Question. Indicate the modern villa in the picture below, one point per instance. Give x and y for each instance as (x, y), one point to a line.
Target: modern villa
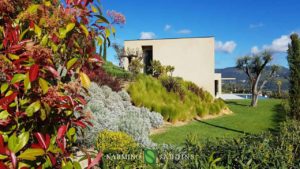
(193, 59)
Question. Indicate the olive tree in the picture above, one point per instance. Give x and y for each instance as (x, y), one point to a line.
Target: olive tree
(255, 67)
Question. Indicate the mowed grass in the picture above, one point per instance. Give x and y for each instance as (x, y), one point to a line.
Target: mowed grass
(245, 119)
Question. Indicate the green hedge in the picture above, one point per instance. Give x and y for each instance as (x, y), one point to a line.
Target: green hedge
(178, 104)
(266, 150)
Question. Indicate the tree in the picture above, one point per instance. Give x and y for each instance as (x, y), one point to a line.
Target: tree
(254, 67)
(294, 64)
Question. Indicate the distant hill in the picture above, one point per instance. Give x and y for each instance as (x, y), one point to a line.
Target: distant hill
(232, 72)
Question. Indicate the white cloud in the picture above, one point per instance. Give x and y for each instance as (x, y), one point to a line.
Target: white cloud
(255, 50)
(184, 31)
(257, 25)
(147, 35)
(278, 45)
(167, 27)
(225, 47)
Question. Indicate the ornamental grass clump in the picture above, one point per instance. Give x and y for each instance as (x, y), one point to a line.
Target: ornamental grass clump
(174, 98)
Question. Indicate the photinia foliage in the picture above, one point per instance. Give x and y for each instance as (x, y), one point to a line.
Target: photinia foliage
(43, 46)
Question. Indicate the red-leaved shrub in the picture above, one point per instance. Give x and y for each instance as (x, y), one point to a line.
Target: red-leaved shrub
(43, 46)
(98, 75)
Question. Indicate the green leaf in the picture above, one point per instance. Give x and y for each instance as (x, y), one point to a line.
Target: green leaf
(32, 108)
(102, 19)
(14, 104)
(94, 9)
(44, 40)
(85, 80)
(113, 30)
(62, 33)
(8, 93)
(2, 157)
(76, 165)
(54, 47)
(27, 84)
(43, 115)
(107, 32)
(100, 41)
(13, 56)
(44, 85)
(67, 165)
(4, 87)
(71, 62)
(23, 34)
(85, 30)
(12, 142)
(47, 3)
(70, 133)
(32, 9)
(22, 141)
(17, 78)
(31, 154)
(3, 115)
(37, 30)
(15, 144)
(70, 27)
(24, 101)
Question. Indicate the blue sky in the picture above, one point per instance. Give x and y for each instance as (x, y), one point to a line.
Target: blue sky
(240, 27)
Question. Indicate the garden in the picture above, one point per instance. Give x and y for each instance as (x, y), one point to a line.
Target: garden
(63, 105)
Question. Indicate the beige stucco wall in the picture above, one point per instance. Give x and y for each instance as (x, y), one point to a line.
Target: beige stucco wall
(193, 58)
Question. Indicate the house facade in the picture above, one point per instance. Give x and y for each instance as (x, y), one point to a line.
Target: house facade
(193, 58)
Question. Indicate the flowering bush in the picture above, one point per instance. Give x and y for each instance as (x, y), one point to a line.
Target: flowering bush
(43, 45)
(114, 111)
(117, 18)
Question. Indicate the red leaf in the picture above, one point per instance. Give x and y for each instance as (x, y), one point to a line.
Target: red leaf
(33, 72)
(82, 100)
(62, 144)
(31, 25)
(68, 2)
(52, 158)
(4, 102)
(15, 48)
(79, 123)
(47, 141)
(61, 131)
(36, 146)
(52, 70)
(41, 140)
(89, 123)
(4, 122)
(2, 166)
(2, 149)
(95, 161)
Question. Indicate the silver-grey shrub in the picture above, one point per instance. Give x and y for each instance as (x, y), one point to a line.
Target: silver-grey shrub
(114, 111)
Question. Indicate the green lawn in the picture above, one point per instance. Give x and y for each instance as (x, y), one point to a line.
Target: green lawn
(244, 119)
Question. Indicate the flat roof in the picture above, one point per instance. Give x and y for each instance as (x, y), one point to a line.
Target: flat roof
(199, 37)
(229, 78)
